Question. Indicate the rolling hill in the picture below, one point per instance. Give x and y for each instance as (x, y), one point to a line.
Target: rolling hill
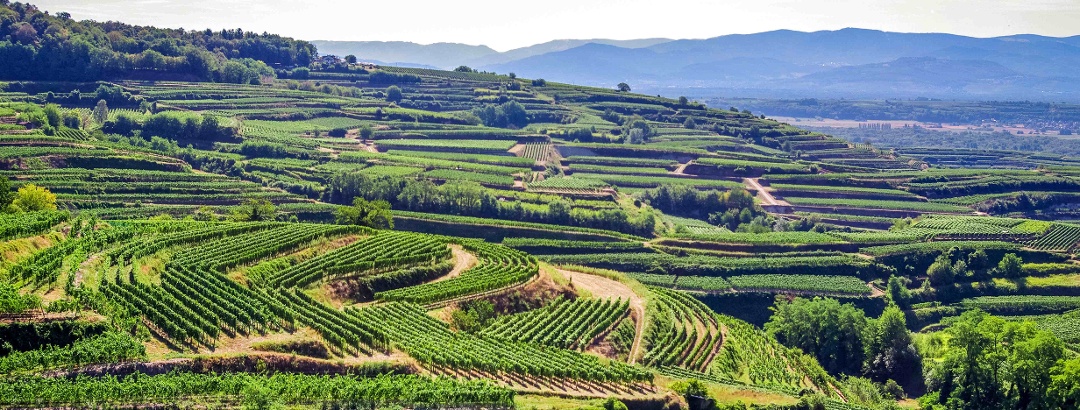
(778, 64)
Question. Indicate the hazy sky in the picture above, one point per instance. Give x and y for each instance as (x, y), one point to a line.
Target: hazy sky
(508, 24)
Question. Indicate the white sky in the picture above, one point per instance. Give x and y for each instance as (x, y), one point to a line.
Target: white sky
(508, 24)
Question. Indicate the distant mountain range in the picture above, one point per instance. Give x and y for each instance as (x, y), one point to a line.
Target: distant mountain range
(848, 63)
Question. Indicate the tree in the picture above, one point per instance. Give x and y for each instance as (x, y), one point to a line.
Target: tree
(393, 94)
(254, 210)
(890, 353)
(684, 101)
(1064, 391)
(366, 132)
(978, 260)
(374, 214)
(614, 404)
(351, 59)
(32, 198)
(689, 123)
(942, 271)
(831, 332)
(204, 213)
(473, 315)
(52, 114)
(72, 120)
(898, 292)
(101, 112)
(623, 87)
(1010, 266)
(464, 69)
(510, 113)
(992, 363)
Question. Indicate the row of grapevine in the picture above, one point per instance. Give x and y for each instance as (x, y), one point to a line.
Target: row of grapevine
(432, 343)
(1061, 237)
(233, 251)
(295, 389)
(569, 325)
(44, 266)
(537, 151)
(498, 267)
(1023, 304)
(157, 243)
(748, 353)
(381, 250)
(698, 265)
(555, 246)
(681, 332)
(108, 347)
(29, 223)
(333, 325)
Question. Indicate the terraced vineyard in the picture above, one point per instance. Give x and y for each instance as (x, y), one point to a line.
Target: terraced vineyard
(353, 235)
(580, 321)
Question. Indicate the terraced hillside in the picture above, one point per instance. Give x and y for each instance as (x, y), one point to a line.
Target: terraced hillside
(349, 235)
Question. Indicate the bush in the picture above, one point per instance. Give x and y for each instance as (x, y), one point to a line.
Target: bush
(614, 404)
(1011, 266)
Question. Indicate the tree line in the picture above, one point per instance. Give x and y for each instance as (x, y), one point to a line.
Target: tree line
(35, 45)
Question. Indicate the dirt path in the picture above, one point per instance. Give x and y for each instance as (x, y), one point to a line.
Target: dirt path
(518, 150)
(463, 261)
(681, 170)
(766, 196)
(602, 287)
(874, 291)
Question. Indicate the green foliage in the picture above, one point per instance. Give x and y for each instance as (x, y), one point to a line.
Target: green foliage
(294, 389)
(614, 404)
(59, 48)
(6, 194)
(579, 321)
(510, 114)
(393, 94)
(32, 198)
(890, 351)
(373, 214)
(993, 363)
(898, 292)
(254, 210)
(944, 271)
(13, 302)
(109, 347)
(1010, 266)
(833, 333)
(473, 315)
(366, 132)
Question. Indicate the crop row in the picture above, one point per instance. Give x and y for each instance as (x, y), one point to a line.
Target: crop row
(498, 267)
(432, 343)
(29, 223)
(564, 324)
(379, 251)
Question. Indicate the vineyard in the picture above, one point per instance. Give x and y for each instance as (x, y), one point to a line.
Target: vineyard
(580, 321)
(361, 236)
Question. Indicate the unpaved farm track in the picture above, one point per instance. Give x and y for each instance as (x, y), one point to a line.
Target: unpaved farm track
(766, 196)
